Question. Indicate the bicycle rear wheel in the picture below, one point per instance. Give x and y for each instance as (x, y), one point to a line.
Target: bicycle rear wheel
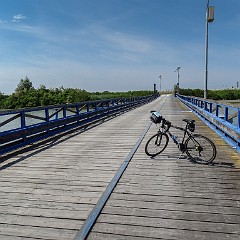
(156, 144)
(200, 149)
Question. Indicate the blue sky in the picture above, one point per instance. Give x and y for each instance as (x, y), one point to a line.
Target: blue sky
(117, 45)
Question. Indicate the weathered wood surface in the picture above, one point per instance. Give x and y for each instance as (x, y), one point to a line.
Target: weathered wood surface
(163, 198)
(48, 192)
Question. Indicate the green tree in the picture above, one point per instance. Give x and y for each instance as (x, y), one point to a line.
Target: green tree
(24, 86)
(3, 97)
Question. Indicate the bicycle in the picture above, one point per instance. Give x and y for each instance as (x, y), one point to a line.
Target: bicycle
(198, 148)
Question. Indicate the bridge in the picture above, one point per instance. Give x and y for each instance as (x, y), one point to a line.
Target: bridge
(97, 183)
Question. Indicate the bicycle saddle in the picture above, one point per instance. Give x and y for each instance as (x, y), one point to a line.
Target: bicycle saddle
(189, 120)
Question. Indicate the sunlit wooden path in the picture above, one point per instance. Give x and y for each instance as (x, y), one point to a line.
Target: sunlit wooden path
(48, 192)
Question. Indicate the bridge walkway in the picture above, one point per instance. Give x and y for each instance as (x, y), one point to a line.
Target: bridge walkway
(163, 198)
(49, 191)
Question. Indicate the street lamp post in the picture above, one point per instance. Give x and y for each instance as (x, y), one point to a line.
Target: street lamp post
(177, 70)
(160, 86)
(209, 18)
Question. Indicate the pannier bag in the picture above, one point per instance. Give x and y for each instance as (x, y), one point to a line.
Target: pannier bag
(191, 126)
(156, 117)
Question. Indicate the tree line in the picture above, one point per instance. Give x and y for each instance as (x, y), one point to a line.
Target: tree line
(225, 94)
(26, 95)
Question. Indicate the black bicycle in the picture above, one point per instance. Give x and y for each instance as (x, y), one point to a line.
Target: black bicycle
(198, 148)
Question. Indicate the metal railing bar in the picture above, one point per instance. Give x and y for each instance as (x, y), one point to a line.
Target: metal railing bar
(219, 122)
(35, 117)
(27, 134)
(9, 120)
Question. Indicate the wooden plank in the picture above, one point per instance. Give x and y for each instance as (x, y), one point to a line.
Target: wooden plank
(166, 197)
(18, 231)
(176, 206)
(40, 221)
(172, 214)
(155, 233)
(105, 236)
(168, 223)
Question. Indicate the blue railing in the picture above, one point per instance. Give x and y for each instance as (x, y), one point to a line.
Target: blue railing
(21, 127)
(225, 120)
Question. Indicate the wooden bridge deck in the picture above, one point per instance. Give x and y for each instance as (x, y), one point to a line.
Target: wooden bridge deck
(48, 192)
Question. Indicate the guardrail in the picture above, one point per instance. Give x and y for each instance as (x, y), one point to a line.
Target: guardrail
(223, 119)
(21, 127)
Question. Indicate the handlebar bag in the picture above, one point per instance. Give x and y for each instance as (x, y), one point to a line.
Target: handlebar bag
(156, 117)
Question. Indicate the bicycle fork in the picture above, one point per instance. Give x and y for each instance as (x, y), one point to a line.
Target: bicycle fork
(158, 140)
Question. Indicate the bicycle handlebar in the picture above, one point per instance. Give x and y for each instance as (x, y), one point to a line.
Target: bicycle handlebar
(157, 118)
(166, 124)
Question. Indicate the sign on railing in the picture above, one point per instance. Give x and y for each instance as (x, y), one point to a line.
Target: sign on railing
(21, 127)
(225, 120)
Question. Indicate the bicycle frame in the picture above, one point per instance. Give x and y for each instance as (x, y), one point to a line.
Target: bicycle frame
(186, 134)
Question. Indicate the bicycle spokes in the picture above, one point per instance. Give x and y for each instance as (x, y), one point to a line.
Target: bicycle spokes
(200, 149)
(156, 144)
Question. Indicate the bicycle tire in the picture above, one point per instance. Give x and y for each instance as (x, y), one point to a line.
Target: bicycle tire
(156, 144)
(200, 149)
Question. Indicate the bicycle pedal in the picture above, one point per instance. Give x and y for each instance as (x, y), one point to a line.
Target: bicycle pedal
(180, 156)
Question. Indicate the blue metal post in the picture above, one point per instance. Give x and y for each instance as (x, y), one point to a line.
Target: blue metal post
(226, 114)
(77, 110)
(23, 124)
(210, 107)
(217, 110)
(239, 118)
(46, 114)
(23, 119)
(205, 106)
(64, 112)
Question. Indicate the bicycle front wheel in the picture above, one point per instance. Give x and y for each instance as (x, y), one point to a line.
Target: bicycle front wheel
(200, 149)
(156, 144)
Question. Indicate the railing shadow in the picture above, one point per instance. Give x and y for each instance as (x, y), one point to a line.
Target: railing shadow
(50, 142)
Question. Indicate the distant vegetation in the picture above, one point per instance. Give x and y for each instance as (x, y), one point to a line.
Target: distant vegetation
(226, 94)
(26, 95)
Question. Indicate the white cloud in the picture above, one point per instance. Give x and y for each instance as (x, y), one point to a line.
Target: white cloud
(18, 17)
(15, 18)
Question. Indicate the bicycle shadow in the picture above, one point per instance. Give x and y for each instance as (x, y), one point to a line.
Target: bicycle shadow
(223, 164)
(183, 157)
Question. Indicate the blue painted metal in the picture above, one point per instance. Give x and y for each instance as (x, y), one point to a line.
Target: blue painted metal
(223, 119)
(239, 118)
(19, 128)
